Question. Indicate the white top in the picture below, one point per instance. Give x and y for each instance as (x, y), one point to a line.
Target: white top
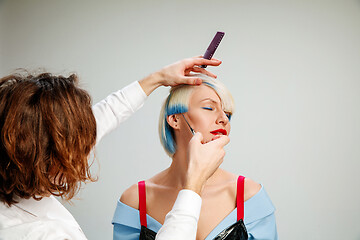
(48, 219)
(44, 219)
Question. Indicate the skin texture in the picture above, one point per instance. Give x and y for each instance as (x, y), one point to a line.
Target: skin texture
(219, 192)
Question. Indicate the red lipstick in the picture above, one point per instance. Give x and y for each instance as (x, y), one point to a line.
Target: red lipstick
(219, 131)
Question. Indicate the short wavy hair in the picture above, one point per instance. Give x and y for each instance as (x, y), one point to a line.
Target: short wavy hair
(178, 102)
(47, 133)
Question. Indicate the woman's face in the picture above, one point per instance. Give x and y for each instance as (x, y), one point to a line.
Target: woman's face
(205, 114)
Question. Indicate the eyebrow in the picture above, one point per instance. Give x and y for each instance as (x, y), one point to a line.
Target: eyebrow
(209, 99)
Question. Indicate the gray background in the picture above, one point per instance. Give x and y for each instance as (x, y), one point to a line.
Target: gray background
(292, 66)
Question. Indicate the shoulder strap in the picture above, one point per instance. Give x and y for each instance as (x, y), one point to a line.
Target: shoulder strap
(142, 203)
(240, 198)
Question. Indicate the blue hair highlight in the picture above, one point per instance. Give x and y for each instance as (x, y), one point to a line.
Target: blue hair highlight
(210, 85)
(175, 109)
(169, 141)
(170, 144)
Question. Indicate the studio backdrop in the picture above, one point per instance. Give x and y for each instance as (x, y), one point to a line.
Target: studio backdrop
(293, 68)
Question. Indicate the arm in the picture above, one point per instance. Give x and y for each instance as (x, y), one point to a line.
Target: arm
(120, 105)
(204, 159)
(181, 221)
(116, 108)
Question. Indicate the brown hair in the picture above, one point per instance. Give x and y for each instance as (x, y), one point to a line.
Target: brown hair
(47, 132)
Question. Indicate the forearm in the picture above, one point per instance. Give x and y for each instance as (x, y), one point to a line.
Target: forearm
(116, 108)
(181, 222)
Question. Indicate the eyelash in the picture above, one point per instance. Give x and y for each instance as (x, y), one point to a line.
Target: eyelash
(209, 108)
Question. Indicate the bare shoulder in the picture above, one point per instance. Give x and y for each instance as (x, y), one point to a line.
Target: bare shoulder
(131, 196)
(251, 188)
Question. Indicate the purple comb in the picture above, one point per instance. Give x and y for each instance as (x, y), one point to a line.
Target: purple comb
(213, 46)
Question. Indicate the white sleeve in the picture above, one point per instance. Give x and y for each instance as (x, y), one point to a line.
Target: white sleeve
(116, 108)
(181, 221)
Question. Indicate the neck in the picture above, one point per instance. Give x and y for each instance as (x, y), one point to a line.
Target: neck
(179, 164)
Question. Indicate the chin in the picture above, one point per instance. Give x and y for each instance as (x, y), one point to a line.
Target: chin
(208, 139)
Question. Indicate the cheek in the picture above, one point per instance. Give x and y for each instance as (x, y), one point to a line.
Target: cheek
(201, 123)
(205, 130)
(228, 128)
(196, 118)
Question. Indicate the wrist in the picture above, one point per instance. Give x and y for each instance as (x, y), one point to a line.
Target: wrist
(194, 185)
(151, 82)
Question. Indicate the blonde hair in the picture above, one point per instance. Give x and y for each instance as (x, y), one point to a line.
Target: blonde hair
(178, 102)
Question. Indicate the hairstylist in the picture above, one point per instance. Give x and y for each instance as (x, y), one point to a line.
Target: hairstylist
(48, 129)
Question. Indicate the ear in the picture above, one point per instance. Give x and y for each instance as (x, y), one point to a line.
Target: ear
(173, 121)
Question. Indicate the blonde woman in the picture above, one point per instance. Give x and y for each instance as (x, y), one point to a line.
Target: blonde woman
(233, 207)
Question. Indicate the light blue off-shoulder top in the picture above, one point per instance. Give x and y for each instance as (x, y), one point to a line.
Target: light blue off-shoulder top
(259, 219)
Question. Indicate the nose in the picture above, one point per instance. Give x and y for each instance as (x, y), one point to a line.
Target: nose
(222, 118)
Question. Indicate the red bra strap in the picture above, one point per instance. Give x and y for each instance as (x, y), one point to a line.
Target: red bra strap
(240, 198)
(142, 203)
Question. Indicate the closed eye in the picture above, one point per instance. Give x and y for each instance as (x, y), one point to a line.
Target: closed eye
(228, 115)
(207, 108)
